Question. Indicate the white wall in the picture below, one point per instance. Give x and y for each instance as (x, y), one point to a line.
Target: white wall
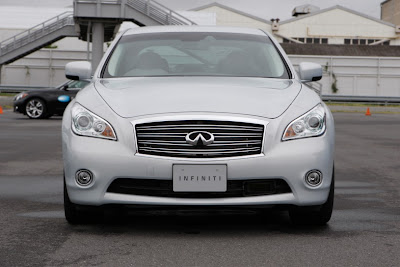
(42, 68)
(363, 76)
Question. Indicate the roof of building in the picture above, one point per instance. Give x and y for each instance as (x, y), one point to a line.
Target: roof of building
(341, 8)
(230, 9)
(341, 50)
(296, 18)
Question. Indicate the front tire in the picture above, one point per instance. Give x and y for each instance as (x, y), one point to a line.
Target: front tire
(77, 214)
(314, 215)
(36, 108)
(72, 214)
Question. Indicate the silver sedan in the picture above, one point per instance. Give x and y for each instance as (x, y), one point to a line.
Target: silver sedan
(180, 116)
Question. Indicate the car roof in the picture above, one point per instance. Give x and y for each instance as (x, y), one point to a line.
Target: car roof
(163, 29)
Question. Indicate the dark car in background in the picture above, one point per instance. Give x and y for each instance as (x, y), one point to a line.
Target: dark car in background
(42, 104)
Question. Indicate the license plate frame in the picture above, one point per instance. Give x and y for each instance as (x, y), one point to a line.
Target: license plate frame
(199, 177)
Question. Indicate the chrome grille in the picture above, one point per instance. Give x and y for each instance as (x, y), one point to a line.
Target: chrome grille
(231, 139)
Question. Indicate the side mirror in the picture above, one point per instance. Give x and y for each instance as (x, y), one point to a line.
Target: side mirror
(310, 72)
(79, 70)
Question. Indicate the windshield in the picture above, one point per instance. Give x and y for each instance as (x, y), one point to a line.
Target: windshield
(195, 54)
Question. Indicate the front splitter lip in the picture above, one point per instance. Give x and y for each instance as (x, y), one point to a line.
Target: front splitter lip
(114, 198)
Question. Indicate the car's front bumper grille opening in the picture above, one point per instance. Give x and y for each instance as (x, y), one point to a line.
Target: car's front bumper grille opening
(230, 139)
(163, 188)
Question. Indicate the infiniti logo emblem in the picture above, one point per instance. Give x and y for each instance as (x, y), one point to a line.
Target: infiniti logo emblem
(204, 137)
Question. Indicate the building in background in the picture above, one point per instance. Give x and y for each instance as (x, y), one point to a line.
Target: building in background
(335, 25)
(338, 25)
(390, 11)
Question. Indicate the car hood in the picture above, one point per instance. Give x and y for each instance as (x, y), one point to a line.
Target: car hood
(131, 97)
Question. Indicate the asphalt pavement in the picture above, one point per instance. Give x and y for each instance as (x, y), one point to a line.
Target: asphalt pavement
(364, 229)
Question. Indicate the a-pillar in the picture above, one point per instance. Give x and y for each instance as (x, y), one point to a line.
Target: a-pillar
(97, 43)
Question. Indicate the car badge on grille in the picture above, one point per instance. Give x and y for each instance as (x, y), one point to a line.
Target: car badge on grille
(193, 138)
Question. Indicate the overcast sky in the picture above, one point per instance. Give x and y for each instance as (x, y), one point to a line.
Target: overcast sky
(266, 9)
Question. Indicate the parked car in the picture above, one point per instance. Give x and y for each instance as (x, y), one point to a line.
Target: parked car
(42, 104)
(198, 117)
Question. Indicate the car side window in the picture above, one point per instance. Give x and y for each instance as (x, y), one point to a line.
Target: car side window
(76, 85)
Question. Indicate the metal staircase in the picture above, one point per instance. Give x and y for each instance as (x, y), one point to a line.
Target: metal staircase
(76, 24)
(37, 37)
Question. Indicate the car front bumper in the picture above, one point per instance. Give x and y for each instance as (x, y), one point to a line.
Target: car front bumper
(19, 107)
(109, 160)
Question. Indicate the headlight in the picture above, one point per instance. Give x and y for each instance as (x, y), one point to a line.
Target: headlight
(308, 125)
(86, 123)
(20, 96)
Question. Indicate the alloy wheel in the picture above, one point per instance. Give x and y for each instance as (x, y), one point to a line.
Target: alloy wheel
(34, 108)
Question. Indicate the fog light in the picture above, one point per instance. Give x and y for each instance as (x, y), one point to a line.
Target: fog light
(314, 178)
(84, 177)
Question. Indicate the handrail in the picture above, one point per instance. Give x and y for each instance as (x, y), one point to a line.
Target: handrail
(145, 6)
(30, 30)
(170, 14)
(180, 17)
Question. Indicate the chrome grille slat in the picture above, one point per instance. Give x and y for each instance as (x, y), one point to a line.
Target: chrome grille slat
(216, 133)
(190, 129)
(215, 142)
(165, 143)
(180, 143)
(193, 127)
(197, 152)
(238, 142)
(208, 150)
(231, 139)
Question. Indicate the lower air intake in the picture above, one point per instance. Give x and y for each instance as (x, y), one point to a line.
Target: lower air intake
(163, 188)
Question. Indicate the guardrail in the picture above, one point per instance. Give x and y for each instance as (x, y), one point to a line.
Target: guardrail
(19, 89)
(361, 99)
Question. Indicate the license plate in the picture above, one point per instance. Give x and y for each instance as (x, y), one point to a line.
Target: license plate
(199, 178)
